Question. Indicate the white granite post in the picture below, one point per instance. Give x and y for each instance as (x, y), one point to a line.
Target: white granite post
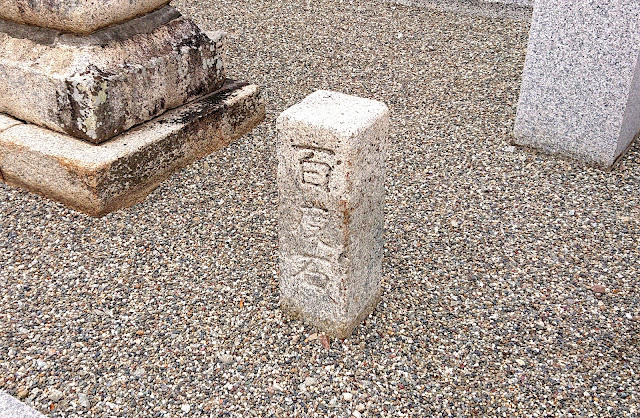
(580, 93)
(331, 153)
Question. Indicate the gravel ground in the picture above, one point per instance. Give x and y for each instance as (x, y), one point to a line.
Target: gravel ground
(494, 254)
(510, 9)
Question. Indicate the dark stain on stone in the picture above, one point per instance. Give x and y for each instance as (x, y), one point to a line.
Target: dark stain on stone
(116, 33)
(208, 104)
(38, 35)
(159, 106)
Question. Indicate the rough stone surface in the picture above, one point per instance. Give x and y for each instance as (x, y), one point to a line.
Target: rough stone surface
(10, 407)
(100, 179)
(580, 93)
(97, 86)
(517, 2)
(331, 150)
(6, 122)
(79, 16)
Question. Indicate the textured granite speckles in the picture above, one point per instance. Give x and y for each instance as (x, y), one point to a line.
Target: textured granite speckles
(97, 86)
(79, 16)
(100, 179)
(331, 151)
(10, 407)
(6, 122)
(580, 93)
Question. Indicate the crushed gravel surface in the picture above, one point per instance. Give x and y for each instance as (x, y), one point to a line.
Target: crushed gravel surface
(510, 277)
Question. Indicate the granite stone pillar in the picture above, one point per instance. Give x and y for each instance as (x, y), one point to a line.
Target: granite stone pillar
(580, 93)
(331, 154)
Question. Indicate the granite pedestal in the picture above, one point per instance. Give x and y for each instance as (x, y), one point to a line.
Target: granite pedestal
(580, 93)
(97, 86)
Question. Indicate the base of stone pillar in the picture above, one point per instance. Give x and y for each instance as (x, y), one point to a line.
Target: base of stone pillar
(334, 328)
(99, 179)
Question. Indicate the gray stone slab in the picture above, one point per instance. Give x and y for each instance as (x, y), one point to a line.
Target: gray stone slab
(98, 179)
(580, 93)
(10, 407)
(331, 152)
(97, 86)
(79, 16)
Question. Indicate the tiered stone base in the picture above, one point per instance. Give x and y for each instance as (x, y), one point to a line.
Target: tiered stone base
(97, 86)
(99, 179)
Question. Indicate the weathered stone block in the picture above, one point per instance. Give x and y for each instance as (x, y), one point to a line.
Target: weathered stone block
(78, 16)
(331, 155)
(99, 179)
(95, 87)
(580, 93)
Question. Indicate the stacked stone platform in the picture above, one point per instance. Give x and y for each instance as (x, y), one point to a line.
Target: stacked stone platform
(103, 101)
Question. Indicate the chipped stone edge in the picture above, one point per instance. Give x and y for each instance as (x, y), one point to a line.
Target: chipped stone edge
(11, 407)
(6, 122)
(99, 179)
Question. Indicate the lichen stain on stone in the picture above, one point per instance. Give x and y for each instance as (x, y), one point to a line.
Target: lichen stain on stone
(88, 96)
(101, 97)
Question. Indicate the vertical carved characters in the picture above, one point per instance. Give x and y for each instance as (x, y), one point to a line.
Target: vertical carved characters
(331, 186)
(317, 259)
(316, 165)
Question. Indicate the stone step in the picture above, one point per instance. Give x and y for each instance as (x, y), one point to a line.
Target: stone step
(78, 16)
(99, 179)
(94, 87)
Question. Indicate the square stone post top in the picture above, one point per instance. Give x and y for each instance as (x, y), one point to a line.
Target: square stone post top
(77, 16)
(331, 155)
(580, 93)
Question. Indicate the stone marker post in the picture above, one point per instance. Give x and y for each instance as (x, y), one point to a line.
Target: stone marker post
(580, 93)
(331, 157)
